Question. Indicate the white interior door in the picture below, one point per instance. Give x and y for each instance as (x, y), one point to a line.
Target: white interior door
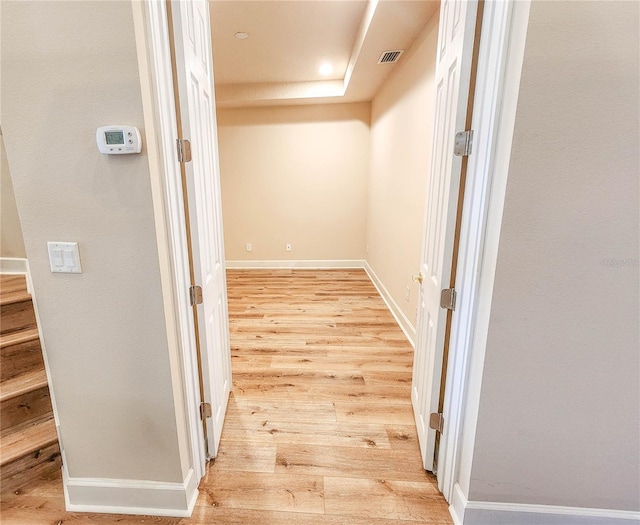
(192, 40)
(453, 66)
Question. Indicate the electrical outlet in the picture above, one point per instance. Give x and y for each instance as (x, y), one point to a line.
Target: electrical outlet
(288, 247)
(249, 247)
(407, 295)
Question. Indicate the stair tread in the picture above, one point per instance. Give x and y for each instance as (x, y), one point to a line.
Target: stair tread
(19, 442)
(12, 281)
(13, 289)
(14, 297)
(15, 338)
(27, 382)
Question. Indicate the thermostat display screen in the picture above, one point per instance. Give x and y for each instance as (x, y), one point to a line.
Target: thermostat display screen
(114, 137)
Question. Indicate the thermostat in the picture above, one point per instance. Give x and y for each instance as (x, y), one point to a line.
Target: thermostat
(118, 140)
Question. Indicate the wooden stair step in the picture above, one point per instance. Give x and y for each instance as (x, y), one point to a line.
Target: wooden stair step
(16, 317)
(24, 398)
(31, 468)
(13, 289)
(7, 280)
(22, 384)
(17, 338)
(25, 408)
(19, 442)
(14, 297)
(19, 353)
(28, 454)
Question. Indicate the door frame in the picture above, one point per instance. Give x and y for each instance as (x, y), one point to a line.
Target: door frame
(501, 53)
(153, 40)
(498, 76)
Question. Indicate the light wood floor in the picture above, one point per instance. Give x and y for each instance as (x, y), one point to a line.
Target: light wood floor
(319, 428)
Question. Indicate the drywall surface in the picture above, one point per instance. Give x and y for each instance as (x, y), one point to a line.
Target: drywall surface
(560, 402)
(11, 242)
(295, 174)
(401, 135)
(69, 67)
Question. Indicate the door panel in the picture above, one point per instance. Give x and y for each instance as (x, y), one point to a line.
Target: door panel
(453, 67)
(192, 40)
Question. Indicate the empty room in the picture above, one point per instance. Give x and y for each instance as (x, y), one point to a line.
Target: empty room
(324, 126)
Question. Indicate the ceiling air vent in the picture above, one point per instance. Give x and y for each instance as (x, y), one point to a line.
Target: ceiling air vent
(389, 57)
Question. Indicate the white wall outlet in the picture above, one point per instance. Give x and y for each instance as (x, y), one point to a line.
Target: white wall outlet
(64, 257)
(249, 247)
(407, 294)
(288, 247)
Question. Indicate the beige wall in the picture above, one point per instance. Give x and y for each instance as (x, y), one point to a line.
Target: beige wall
(11, 242)
(69, 67)
(401, 134)
(294, 175)
(332, 180)
(560, 399)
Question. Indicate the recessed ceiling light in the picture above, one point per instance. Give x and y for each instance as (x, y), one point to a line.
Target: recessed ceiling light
(326, 69)
(241, 35)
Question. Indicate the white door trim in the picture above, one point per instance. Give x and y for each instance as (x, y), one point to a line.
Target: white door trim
(152, 25)
(500, 59)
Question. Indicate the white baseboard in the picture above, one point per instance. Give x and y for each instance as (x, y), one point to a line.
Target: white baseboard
(138, 497)
(13, 265)
(308, 264)
(466, 512)
(402, 320)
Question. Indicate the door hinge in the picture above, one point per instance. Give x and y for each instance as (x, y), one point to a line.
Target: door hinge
(436, 421)
(448, 298)
(205, 410)
(184, 150)
(463, 143)
(195, 294)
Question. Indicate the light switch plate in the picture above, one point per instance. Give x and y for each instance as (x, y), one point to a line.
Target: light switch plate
(64, 257)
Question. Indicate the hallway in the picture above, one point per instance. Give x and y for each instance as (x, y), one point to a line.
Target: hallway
(319, 428)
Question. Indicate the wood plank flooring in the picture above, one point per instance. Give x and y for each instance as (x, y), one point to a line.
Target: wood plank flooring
(319, 428)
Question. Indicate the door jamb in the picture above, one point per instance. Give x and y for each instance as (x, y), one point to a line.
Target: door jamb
(498, 78)
(156, 77)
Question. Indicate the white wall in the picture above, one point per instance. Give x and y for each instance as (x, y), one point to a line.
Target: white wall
(400, 152)
(560, 401)
(295, 174)
(11, 242)
(69, 67)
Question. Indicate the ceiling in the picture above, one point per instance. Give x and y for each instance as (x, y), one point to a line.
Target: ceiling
(290, 39)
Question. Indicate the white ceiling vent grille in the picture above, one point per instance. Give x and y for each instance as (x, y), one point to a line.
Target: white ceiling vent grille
(389, 57)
